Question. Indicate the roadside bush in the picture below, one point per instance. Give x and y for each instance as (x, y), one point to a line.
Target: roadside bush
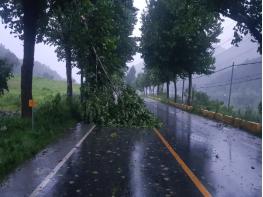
(17, 140)
(202, 100)
(56, 110)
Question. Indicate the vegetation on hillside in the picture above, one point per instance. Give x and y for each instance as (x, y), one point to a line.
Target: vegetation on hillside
(40, 70)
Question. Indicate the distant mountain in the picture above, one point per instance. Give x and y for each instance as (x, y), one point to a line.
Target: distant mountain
(245, 51)
(40, 70)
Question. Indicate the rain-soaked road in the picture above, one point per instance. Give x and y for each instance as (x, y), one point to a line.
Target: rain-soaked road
(135, 162)
(227, 160)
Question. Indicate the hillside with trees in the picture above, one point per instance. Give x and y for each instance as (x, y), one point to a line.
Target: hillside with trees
(40, 70)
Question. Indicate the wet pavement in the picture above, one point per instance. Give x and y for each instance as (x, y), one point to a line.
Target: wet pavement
(227, 160)
(121, 162)
(30, 174)
(134, 162)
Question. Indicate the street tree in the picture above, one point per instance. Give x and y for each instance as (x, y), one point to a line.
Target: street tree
(27, 19)
(177, 39)
(62, 29)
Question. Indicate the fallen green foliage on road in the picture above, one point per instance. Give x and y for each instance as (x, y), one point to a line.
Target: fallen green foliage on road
(17, 140)
(127, 111)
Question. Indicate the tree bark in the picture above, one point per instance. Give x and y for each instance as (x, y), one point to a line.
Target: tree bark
(175, 89)
(30, 26)
(158, 90)
(189, 99)
(68, 72)
(167, 89)
(183, 92)
(81, 85)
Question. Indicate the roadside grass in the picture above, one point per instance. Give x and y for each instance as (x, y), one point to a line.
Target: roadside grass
(42, 89)
(17, 140)
(202, 101)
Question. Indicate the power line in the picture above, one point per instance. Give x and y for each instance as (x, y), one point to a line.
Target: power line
(227, 68)
(235, 80)
(234, 83)
(248, 63)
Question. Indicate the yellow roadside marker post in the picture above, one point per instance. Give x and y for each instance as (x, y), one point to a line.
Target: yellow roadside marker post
(32, 104)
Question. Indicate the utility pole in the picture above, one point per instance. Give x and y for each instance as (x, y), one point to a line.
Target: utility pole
(183, 92)
(230, 88)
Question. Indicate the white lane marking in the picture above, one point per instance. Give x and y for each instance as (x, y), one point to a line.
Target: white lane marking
(58, 166)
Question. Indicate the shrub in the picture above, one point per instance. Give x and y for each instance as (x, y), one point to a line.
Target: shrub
(56, 110)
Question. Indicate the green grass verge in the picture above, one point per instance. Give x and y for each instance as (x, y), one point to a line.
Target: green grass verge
(19, 143)
(42, 89)
(216, 106)
(17, 140)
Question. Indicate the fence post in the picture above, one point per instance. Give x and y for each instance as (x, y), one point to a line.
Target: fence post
(230, 88)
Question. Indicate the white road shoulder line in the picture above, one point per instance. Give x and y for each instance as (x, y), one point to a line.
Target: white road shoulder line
(59, 165)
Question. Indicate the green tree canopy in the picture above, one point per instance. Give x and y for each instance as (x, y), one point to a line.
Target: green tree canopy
(5, 74)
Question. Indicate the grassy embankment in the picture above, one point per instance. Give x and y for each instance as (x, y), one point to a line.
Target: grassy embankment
(53, 115)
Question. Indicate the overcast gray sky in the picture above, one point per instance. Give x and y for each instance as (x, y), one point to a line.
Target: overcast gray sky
(46, 55)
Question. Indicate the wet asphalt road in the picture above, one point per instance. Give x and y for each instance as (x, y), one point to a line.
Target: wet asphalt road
(227, 160)
(134, 162)
(121, 162)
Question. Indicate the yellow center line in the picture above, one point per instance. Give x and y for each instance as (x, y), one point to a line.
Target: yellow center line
(186, 169)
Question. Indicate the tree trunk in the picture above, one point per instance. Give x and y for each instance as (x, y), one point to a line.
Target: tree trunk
(175, 89)
(30, 26)
(68, 72)
(81, 85)
(167, 89)
(183, 92)
(158, 90)
(189, 99)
